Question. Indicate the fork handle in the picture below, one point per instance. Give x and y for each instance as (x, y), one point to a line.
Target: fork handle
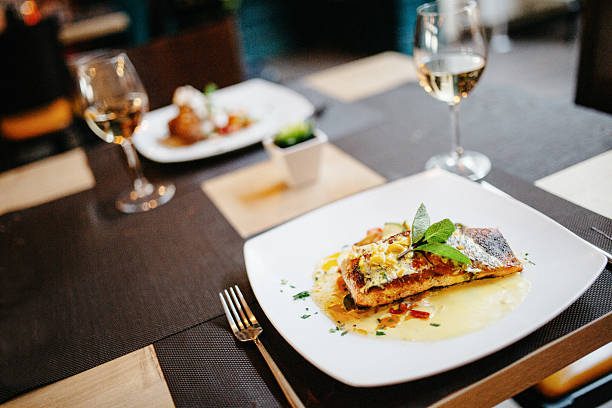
(292, 397)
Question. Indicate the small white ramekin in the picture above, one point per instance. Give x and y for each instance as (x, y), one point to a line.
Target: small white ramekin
(301, 163)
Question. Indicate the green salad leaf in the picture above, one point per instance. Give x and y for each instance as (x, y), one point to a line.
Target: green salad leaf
(210, 88)
(293, 134)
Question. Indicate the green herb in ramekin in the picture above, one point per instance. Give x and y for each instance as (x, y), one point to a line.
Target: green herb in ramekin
(293, 134)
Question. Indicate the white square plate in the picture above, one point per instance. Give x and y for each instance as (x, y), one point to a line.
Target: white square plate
(565, 267)
(271, 105)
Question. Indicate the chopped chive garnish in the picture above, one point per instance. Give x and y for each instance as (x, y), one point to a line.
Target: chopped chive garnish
(301, 295)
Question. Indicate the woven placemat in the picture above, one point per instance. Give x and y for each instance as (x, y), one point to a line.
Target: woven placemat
(528, 128)
(527, 136)
(82, 284)
(206, 366)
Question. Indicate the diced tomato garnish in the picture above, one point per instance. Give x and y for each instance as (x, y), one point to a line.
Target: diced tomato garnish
(341, 284)
(419, 314)
(391, 321)
(235, 122)
(401, 308)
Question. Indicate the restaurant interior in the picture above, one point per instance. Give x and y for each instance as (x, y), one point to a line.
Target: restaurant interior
(175, 175)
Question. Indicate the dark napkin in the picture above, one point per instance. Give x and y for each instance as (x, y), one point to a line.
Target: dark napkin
(206, 366)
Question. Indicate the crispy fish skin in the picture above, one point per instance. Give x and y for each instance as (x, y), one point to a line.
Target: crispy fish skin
(433, 271)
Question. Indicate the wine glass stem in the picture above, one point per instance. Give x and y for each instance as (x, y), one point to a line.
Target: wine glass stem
(138, 179)
(454, 114)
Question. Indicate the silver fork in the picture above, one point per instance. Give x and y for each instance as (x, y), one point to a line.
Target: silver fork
(246, 329)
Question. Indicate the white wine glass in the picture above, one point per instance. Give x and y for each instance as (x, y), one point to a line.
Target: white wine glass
(450, 55)
(115, 102)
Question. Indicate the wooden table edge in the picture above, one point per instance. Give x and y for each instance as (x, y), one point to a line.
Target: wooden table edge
(533, 367)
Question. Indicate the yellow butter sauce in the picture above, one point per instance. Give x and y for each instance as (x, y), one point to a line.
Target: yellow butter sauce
(453, 311)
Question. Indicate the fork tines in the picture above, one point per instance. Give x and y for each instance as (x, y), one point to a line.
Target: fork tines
(246, 328)
(237, 319)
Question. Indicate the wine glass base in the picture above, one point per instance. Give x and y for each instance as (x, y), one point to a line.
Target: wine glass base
(151, 197)
(472, 165)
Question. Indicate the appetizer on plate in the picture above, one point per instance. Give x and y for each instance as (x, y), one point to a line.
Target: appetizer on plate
(199, 119)
(399, 277)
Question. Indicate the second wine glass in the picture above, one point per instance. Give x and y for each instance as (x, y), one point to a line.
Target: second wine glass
(450, 56)
(116, 103)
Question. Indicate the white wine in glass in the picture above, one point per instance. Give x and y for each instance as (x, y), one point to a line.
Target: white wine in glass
(117, 102)
(114, 123)
(450, 56)
(449, 77)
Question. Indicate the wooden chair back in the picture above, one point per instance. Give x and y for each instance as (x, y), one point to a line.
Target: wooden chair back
(209, 53)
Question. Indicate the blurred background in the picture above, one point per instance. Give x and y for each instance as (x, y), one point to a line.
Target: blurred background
(534, 45)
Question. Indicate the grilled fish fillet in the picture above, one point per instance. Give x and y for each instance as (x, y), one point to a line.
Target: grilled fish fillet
(374, 275)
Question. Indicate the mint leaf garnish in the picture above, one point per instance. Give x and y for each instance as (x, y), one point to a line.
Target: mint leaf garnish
(432, 238)
(419, 224)
(440, 231)
(444, 250)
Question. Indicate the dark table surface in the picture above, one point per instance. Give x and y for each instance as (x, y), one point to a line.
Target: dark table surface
(82, 284)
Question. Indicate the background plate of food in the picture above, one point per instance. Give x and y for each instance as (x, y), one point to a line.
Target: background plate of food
(203, 124)
(334, 281)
